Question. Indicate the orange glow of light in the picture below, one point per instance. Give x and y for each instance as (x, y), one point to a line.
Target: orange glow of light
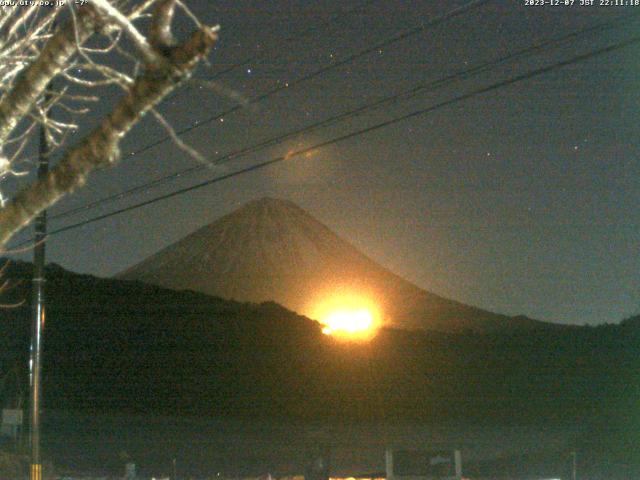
(348, 317)
(348, 321)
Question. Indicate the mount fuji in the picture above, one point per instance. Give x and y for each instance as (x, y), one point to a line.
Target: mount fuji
(272, 250)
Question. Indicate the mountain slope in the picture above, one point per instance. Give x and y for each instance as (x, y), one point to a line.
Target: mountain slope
(271, 249)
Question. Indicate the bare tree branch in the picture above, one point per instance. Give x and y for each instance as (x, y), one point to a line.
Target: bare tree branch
(100, 148)
(188, 149)
(112, 14)
(160, 31)
(34, 80)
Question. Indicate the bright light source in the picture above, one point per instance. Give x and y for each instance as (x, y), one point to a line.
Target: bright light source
(347, 316)
(348, 321)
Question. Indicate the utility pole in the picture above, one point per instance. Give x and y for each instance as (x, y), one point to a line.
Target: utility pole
(574, 465)
(38, 310)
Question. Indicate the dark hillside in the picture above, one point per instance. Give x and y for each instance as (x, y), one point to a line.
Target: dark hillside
(118, 345)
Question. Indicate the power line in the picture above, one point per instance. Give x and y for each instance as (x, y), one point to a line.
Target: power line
(404, 95)
(304, 151)
(288, 85)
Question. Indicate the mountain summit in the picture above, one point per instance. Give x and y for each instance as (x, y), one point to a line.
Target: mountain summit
(271, 249)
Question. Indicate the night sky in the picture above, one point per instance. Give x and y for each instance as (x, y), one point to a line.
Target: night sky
(522, 200)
